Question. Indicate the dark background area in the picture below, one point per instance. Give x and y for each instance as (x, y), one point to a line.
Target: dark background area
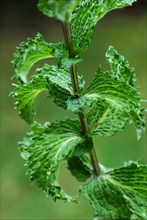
(26, 12)
(124, 29)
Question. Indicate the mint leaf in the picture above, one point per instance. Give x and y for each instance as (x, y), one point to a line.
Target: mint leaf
(120, 67)
(28, 53)
(49, 78)
(106, 121)
(25, 95)
(117, 96)
(86, 16)
(120, 193)
(59, 83)
(66, 62)
(44, 148)
(59, 9)
(112, 98)
(80, 167)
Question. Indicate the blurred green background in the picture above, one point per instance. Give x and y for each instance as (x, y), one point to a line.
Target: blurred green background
(126, 31)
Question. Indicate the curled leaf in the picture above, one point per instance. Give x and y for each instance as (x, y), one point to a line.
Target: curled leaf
(28, 53)
(25, 95)
(44, 148)
(59, 83)
(86, 16)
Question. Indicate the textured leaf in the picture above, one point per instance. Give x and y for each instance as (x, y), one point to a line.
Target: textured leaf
(80, 167)
(44, 147)
(120, 193)
(119, 97)
(120, 68)
(86, 16)
(113, 100)
(50, 78)
(66, 62)
(59, 9)
(59, 83)
(106, 121)
(28, 53)
(25, 95)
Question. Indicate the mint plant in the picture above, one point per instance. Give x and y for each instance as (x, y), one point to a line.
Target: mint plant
(104, 108)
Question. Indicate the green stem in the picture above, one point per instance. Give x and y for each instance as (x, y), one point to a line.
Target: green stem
(75, 84)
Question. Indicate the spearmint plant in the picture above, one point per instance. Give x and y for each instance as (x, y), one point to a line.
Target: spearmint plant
(104, 108)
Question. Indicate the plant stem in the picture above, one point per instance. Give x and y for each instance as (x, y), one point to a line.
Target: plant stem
(75, 84)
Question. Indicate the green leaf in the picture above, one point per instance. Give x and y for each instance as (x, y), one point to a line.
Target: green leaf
(112, 98)
(59, 84)
(49, 78)
(44, 148)
(106, 121)
(118, 96)
(80, 167)
(66, 62)
(120, 193)
(59, 9)
(86, 16)
(120, 67)
(25, 95)
(28, 53)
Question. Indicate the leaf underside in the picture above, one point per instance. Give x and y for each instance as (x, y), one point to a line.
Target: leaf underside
(120, 193)
(80, 167)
